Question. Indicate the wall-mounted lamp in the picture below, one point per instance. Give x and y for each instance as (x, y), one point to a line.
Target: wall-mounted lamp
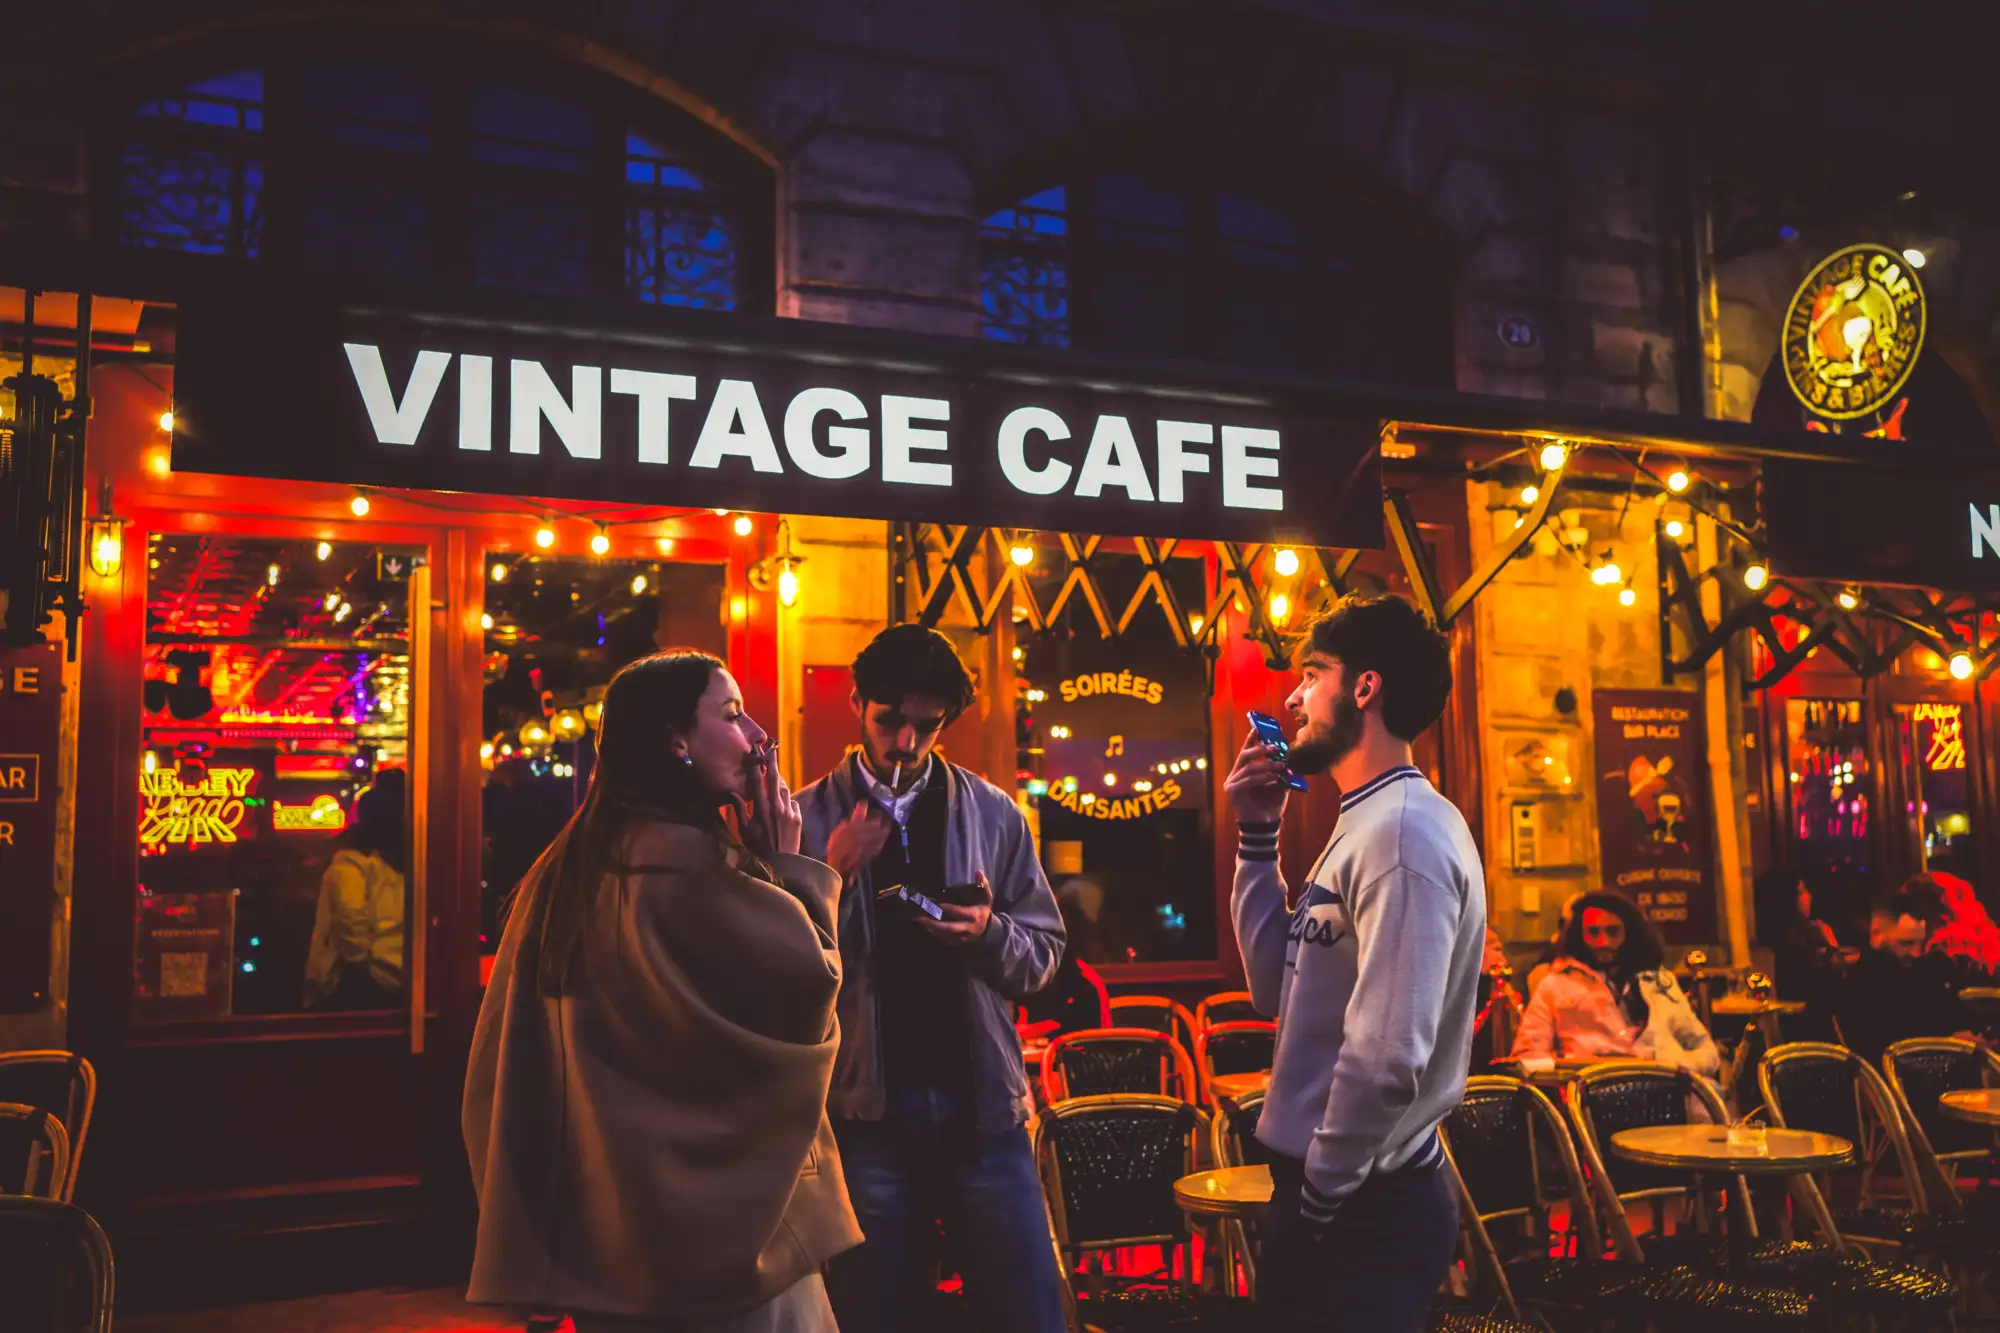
(779, 568)
(107, 537)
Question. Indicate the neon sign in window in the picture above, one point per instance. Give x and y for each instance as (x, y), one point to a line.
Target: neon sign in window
(179, 813)
(1946, 749)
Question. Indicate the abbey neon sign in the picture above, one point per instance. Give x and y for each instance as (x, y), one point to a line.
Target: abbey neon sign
(179, 813)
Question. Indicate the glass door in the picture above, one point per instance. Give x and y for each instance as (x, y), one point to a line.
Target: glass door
(1931, 744)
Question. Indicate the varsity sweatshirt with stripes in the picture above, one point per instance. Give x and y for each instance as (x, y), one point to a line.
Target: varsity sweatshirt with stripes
(1373, 979)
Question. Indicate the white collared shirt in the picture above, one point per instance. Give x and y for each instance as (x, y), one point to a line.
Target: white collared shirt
(898, 804)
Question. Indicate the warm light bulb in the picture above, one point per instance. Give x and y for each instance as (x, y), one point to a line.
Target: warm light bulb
(324, 550)
(545, 536)
(1530, 494)
(1756, 576)
(1281, 607)
(485, 750)
(1194, 624)
(1554, 456)
(666, 545)
(638, 584)
(1626, 597)
(1675, 528)
(272, 575)
(107, 550)
(159, 462)
(499, 572)
(1961, 666)
(1110, 779)
(1201, 763)
(743, 525)
(1020, 654)
(1677, 480)
(358, 506)
(486, 620)
(788, 587)
(1286, 562)
(1607, 574)
(149, 761)
(1021, 554)
(1914, 257)
(600, 542)
(1848, 601)
(722, 513)
(167, 422)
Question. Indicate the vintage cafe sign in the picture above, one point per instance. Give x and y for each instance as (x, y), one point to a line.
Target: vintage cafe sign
(1853, 332)
(373, 399)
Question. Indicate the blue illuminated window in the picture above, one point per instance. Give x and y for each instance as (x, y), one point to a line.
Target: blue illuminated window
(384, 171)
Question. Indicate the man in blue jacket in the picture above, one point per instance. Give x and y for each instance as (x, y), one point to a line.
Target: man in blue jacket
(930, 1096)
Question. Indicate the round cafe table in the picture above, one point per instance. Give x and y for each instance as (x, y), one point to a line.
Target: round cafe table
(1707, 1150)
(1764, 1013)
(1234, 1086)
(1228, 1191)
(1981, 1106)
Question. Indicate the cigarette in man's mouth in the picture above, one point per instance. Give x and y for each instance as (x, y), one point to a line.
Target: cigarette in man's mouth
(896, 778)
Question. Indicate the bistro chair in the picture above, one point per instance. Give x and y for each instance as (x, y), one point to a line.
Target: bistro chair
(1156, 1012)
(56, 1274)
(34, 1152)
(1233, 1142)
(1230, 1006)
(1921, 1070)
(60, 1082)
(1494, 1311)
(1676, 1279)
(1101, 1062)
(1830, 1090)
(1516, 1165)
(1233, 1048)
(1108, 1166)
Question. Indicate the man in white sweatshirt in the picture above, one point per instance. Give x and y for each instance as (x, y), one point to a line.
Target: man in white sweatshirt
(1372, 976)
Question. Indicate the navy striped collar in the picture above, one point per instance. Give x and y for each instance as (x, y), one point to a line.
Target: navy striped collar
(1388, 775)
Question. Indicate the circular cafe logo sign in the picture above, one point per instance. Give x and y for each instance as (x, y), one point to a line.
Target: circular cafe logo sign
(1853, 332)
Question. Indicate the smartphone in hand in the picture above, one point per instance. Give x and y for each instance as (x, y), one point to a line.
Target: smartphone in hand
(1271, 734)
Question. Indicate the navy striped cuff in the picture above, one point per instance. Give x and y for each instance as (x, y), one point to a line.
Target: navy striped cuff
(1257, 841)
(1316, 1207)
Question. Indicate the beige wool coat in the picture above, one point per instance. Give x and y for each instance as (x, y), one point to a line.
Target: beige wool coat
(655, 1142)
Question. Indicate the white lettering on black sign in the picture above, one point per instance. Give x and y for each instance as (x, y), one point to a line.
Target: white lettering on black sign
(909, 441)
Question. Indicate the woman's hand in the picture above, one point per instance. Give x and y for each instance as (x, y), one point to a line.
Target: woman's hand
(774, 825)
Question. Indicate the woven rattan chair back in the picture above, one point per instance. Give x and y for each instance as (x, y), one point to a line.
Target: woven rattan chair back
(1156, 1013)
(1103, 1062)
(1233, 1048)
(62, 1083)
(1918, 1072)
(1109, 1165)
(1828, 1089)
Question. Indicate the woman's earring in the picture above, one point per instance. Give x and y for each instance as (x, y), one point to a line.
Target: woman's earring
(687, 760)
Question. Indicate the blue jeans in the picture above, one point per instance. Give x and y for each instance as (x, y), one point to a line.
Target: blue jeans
(1376, 1270)
(924, 1160)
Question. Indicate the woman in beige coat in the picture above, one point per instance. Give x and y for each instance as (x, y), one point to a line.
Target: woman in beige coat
(644, 1107)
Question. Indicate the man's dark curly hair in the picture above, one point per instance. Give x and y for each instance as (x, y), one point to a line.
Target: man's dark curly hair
(908, 659)
(1389, 636)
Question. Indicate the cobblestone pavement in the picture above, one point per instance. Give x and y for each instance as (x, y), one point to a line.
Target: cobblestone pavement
(435, 1311)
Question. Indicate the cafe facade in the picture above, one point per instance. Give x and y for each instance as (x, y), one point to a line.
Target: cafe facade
(381, 430)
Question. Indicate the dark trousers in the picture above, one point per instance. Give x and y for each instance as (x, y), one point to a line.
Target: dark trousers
(1375, 1270)
(926, 1159)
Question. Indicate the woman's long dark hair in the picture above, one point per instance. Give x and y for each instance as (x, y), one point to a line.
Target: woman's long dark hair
(1641, 952)
(638, 777)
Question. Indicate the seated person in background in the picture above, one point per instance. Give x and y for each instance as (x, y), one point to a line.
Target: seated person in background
(1553, 950)
(1609, 995)
(1807, 960)
(1898, 990)
(356, 961)
(1967, 935)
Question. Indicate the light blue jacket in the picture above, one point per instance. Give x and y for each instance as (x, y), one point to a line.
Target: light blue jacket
(1015, 958)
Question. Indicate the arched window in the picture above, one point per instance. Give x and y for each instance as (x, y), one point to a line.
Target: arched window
(424, 172)
(1145, 261)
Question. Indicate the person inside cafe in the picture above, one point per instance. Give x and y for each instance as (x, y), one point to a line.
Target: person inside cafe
(1901, 988)
(1808, 962)
(930, 1094)
(1374, 981)
(645, 1103)
(355, 960)
(1610, 995)
(1077, 997)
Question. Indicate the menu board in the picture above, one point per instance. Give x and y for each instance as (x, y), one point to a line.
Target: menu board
(30, 734)
(1653, 809)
